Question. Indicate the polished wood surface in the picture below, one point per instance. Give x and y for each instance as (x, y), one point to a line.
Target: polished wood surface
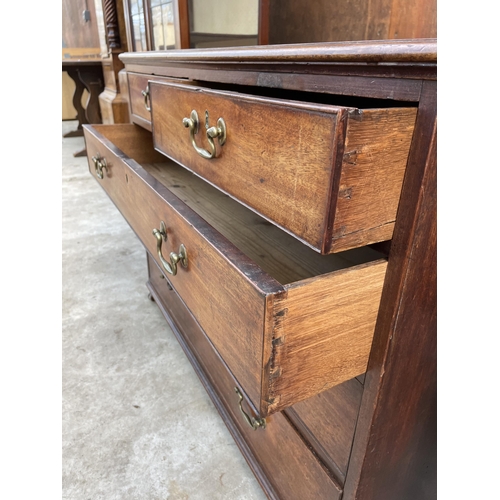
(286, 159)
(395, 51)
(277, 158)
(76, 33)
(136, 85)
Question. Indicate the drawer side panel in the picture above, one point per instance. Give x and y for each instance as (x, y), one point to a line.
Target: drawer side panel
(374, 163)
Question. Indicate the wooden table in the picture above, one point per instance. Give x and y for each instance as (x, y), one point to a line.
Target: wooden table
(87, 74)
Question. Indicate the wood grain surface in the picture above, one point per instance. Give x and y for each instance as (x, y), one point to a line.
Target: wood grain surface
(278, 157)
(293, 21)
(323, 331)
(392, 51)
(394, 451)
(327, 421)
(374, 162)
(401, 83)
(136, 84)
(273, 250)
(282, 343)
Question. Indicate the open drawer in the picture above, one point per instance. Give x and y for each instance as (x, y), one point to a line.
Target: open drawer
(330, 175)
(288, 322)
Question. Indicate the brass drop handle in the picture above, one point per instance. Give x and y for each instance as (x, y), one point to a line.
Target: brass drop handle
(253, 422)
(145, 93)
(99, 164)
(175, 258)
(219, 132)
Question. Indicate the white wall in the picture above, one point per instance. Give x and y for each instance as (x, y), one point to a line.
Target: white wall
(225, 16)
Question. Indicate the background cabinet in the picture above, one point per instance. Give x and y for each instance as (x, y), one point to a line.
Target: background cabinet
(80, 40)
(300, 21)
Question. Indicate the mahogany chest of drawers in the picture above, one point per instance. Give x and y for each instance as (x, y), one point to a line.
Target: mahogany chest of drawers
(286, 199)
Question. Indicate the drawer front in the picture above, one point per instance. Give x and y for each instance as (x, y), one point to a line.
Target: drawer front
(139, 99)
(282, 342)
(281, 461)
(277, 158)
(139, 96)
(329, 175)
(225, 303)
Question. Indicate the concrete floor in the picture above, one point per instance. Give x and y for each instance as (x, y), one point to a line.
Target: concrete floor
(137, 423)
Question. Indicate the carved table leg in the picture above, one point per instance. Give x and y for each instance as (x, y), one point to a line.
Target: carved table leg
(90, 78)
(77, 103)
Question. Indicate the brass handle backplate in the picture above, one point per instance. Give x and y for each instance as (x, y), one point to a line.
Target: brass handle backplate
(219, 132)
(253, 422)
(175, 258)
(145, 94)
(99, 164)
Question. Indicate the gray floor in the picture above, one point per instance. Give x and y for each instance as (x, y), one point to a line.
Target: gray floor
(137, 423)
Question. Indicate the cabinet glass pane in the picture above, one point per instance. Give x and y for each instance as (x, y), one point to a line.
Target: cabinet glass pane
(138, 25)
(162, 19)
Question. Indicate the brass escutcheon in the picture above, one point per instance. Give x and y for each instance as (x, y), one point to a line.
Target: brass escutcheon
(175, 258)
(254, 423)
(218, 132)
(99, 164)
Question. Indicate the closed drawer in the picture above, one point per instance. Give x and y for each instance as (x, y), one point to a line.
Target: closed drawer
(278, 455)
(288, 322)
(327, 422)
(329, 175)
(139, 98)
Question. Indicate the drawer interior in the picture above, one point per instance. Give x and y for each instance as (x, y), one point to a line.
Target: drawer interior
(279, 254)
(276, 252)
(355, 102)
